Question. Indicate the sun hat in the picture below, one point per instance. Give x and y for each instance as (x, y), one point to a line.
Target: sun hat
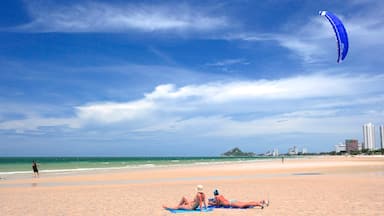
(199, 188)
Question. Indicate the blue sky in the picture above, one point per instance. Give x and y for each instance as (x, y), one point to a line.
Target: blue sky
(185, 78)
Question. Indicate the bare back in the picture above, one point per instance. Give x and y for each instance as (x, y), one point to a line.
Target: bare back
(199, 200)
(221, 201)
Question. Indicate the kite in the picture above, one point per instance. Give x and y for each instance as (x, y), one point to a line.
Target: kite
(341, 34)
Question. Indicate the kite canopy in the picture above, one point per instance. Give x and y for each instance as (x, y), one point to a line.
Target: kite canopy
(341, 34)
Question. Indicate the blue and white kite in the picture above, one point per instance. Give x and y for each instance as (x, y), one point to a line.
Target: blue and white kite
(341, 34)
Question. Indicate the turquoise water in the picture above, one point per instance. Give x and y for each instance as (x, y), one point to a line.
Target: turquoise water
(14, 165)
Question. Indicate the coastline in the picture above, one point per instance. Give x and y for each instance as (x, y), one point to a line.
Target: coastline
(108, 164)
(315, 185)
(23, 163)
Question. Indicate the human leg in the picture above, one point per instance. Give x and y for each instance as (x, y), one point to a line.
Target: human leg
(183, 204)
(184, 201)
(246, 204)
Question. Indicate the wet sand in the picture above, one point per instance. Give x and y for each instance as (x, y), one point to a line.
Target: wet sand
(312, 186)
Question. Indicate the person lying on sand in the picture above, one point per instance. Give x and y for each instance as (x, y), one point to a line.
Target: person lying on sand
(186, 204)
(221, 201)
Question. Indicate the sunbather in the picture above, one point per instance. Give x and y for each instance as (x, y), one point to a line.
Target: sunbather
(198, 201)
(221, 201)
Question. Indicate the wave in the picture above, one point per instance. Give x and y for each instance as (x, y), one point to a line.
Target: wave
(71, 170)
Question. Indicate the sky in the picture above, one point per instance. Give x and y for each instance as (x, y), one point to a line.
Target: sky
(186, 78)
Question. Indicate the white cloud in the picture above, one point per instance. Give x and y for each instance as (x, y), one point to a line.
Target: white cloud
(230, 99)
(302, 103)
(33, 123)
(299, 87)
(114, 112)
(224, 126)
(312, 41)
(227, 62)
(101, 17)
(367, 30)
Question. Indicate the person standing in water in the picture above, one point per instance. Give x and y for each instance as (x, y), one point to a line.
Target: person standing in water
(35, 169)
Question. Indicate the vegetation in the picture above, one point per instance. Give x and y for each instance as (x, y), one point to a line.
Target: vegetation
(236, 152)
(357, 152)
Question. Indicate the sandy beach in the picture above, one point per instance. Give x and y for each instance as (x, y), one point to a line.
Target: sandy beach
(310, 186)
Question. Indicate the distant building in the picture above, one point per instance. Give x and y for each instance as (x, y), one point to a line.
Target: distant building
(293, 151)
(275, 152)
(351, 145)
(304, 151)
(381, 132)
(340, 148)
(369, 136)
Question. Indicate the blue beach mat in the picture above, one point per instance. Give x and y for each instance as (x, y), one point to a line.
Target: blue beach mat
(227, 207)
(188, 211)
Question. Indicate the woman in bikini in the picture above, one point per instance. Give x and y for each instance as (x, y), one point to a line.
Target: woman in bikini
(187, 204)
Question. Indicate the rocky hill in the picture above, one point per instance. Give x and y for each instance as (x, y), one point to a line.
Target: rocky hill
(236, 152)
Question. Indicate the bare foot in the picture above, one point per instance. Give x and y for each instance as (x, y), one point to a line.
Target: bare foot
(266, 203)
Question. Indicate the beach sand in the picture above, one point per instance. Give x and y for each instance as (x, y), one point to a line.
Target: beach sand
(311, 186)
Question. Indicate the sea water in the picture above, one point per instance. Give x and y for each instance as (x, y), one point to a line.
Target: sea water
(23, 165)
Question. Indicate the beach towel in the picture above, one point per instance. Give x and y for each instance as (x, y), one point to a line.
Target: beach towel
(189, 211)
(227, 207)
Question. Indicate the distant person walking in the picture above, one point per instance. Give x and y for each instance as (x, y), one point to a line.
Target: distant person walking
(35, 169)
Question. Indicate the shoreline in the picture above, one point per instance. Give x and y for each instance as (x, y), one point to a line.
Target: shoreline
(189, 162)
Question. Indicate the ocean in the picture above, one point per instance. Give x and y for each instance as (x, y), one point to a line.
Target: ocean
(23, 165)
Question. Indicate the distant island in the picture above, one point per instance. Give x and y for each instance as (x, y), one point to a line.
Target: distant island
(236, 152)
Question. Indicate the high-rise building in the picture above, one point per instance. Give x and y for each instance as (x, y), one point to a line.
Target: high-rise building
(275, 152)
(351, 145)
(381, 132)
(369, 136)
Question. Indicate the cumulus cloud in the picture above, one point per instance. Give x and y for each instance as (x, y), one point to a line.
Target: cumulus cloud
(232, 98)
(308, 104)
(113, 112)
(103, 17)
